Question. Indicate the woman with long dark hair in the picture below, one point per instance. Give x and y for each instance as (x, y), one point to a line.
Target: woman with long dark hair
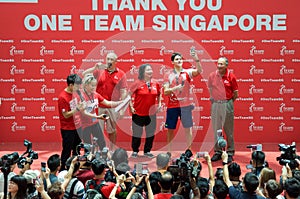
(16, 188)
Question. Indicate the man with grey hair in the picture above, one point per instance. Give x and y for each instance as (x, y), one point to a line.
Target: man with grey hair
(223, 89)
(162, 162)
(112, 85)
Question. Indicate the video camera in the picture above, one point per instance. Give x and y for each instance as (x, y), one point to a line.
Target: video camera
(183, 168)
(86, 151)
(91, 149)
(8, 160)
(256, 147)
(288, 155)
(30, 154)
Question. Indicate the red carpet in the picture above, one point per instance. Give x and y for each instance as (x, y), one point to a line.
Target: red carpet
(242, 155)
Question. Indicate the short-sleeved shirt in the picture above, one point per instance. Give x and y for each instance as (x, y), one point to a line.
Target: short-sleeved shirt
(163, 196)
(222, 88)
(145, 97)
(78, 189)
(92, 102)
(179, 98)
(67, 102)
(110, 84)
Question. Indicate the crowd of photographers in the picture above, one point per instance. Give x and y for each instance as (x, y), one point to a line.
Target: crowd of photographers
(99, 174)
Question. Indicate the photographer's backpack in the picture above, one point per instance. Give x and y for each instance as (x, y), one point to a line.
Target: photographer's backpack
(94, 193)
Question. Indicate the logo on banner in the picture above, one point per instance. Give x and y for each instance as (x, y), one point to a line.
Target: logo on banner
(283, 108)
(14, 51)
(133, 51)
(253, 70)
(224, 51)
(253, 51)
(46, 108)
(284, 90)
(254, 108)
(44, 51)
(193, 89)
(15, 127)
(46, 71)
(163, 69)
(254, 90)
(164, 51)
(133, 70)
(15, 108)
(15, 71)
(74, 51)
(74, 70)
(284, 51)
(15, 90)
(104, 51)
(45, 90)
(253, 127)
(283, 128)
(45, 127)
(285, 71)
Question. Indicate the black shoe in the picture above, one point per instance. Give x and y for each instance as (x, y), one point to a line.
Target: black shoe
(149, 155)
(134, 154)
(230, 158)
(216, 157)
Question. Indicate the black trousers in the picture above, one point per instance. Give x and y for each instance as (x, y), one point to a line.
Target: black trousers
(138, 124)
(70, 139)
(96, 131)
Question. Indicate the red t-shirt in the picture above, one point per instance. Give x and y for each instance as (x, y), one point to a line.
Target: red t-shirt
(163, 196)
(110, 84)
(91, 104)
(179, 98)
(144, 97)
(222, 88)
(67, 102)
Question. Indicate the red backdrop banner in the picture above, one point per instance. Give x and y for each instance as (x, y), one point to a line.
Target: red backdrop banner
(42, 42)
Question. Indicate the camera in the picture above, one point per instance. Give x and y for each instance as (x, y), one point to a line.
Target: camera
(201, 154)
(221, 142)
(288, 155)
(30, 154)
(256, 147)
(86, 151)
(183, 168)
(7, 160)
(145, 170)
(43, 166)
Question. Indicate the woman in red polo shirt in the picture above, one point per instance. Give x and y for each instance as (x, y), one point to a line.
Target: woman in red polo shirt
(90, 124)
(146, 101)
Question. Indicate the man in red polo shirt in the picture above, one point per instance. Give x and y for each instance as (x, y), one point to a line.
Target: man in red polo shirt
(223, 91)
(177, 89)
(69, 108)
(112, 85)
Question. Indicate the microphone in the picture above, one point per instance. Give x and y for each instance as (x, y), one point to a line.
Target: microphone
(109, 65)
(80, 95)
